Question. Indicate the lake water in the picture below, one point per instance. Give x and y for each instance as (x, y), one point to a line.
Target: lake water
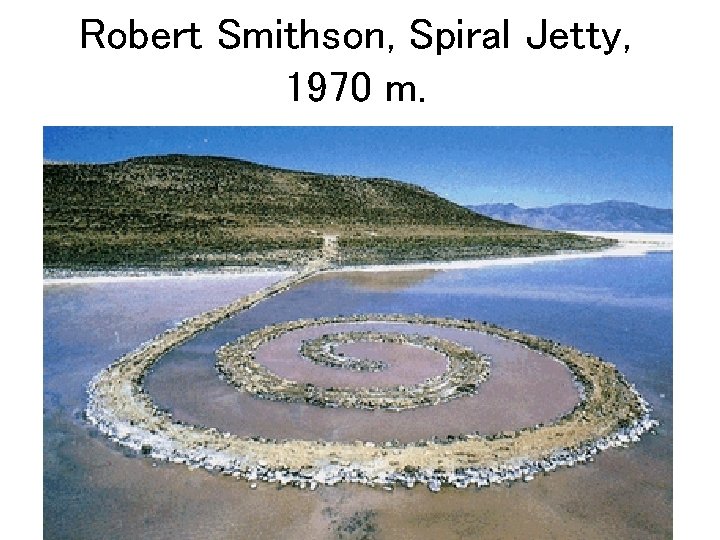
(617, 308)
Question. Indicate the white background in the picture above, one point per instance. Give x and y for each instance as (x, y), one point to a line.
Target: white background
(669, 77)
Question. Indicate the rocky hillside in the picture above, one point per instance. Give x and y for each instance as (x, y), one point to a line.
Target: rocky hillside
(178, 210)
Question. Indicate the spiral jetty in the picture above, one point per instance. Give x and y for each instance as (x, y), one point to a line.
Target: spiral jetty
(610, 413)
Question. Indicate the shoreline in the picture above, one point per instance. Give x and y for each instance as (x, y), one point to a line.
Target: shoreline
(631, 244)
(74, 277)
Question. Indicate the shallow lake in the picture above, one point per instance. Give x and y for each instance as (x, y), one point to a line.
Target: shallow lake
(617, 308)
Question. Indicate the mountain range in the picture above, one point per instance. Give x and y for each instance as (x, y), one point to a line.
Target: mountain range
(602, 216)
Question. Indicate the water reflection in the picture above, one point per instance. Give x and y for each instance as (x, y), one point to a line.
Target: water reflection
(385, 281)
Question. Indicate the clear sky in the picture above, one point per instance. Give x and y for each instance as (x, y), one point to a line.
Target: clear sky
(530, 166)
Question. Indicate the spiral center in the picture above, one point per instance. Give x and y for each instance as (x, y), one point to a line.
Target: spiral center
(465, 369)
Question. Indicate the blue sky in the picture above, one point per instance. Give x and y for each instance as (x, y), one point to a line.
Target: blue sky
(530, 166)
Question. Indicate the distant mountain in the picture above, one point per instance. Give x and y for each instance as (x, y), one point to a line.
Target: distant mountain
(602, 216)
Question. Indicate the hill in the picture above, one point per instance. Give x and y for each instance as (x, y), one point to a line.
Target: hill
(602, 216)
(178, 210)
